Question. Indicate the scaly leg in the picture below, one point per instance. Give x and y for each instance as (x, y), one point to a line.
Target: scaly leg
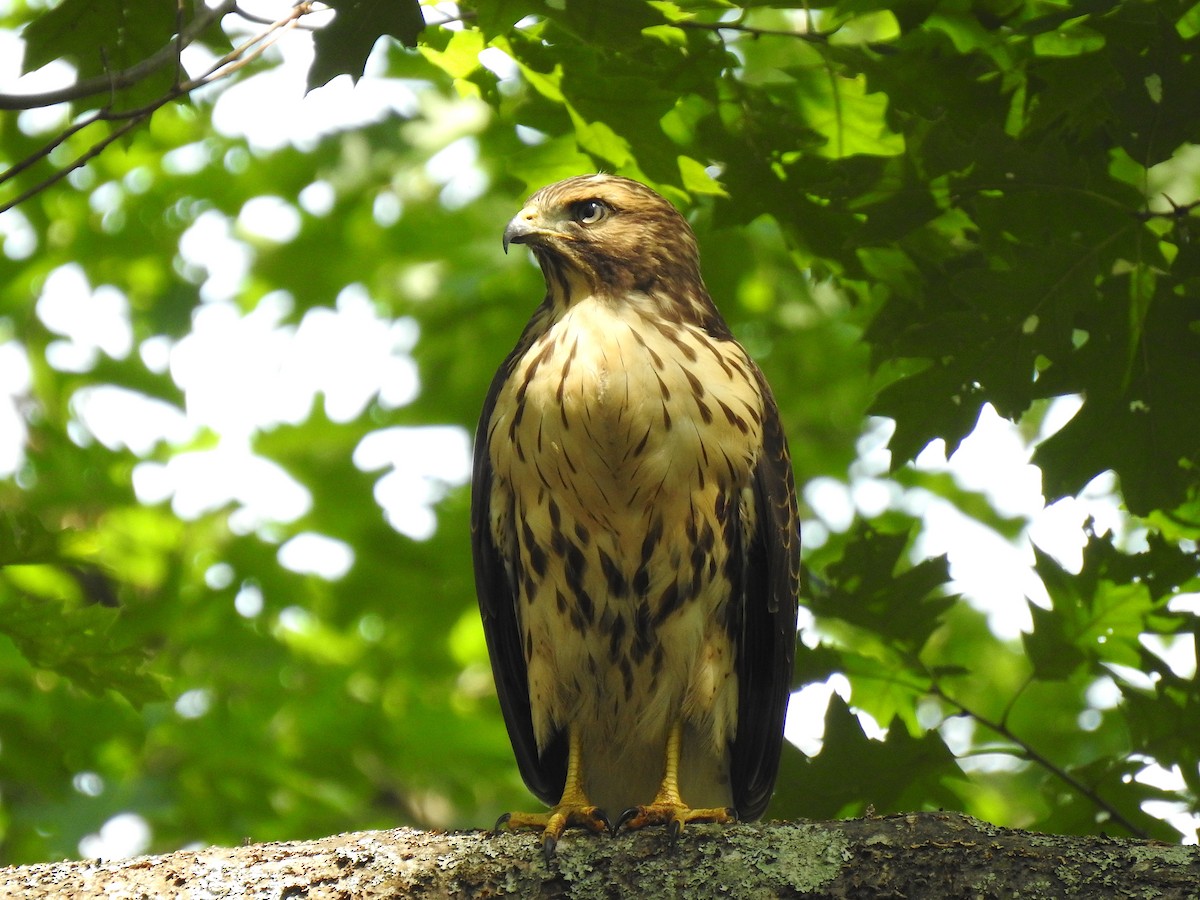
(667, 807)
(573, 810)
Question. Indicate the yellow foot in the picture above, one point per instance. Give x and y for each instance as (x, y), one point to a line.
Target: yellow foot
(674, 816)
(556, 821)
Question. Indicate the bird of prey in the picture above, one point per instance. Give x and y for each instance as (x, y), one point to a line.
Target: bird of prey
(634, 529)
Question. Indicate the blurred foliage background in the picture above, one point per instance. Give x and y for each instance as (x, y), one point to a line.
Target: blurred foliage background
(243, 336)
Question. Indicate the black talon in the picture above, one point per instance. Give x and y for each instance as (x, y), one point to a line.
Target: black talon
(732, 813)
(503, 820)
(603, 817)
(673, 830)
(549, 842)
(625, 817)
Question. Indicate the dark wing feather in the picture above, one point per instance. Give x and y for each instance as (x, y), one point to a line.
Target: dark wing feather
(767, 640)
(495, 585)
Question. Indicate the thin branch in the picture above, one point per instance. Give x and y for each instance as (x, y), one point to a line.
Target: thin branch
(1012, 701)
(231, 62)
(179, 44)
(247, 52)
(49, 147)
(92, 152)
(249, 16)
(816, 37)
(1034, 756)
(1177, 211)
(263, 20)
(114, 81)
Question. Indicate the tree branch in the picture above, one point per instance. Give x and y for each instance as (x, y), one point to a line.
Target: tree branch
(90, 154)
(927, 855)
(240, 56)
(111, 81)
(1033, 755)
(815, 37)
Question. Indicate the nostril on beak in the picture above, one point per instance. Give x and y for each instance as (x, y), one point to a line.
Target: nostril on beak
(520, 228)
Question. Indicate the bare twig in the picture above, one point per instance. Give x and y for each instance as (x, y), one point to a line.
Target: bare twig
(1176, 212)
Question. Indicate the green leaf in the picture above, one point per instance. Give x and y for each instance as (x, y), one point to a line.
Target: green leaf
(940, 401)
(853, 772)
(102, 37)
(85, 644)
(696, 179)
(461, 56)
(547, 162)
(99, 36)
(25, 540)
(1052, 651)
(850, 117)
(342, 46)
(1100, 619)
(1137, 418)
(871, 588)
(1068, 41)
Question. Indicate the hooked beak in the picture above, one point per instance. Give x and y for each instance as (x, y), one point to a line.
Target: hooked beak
(523, 228)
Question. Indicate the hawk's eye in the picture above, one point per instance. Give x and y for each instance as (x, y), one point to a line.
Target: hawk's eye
(589, 212)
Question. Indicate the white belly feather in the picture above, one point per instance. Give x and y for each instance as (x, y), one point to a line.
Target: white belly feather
(626, 446)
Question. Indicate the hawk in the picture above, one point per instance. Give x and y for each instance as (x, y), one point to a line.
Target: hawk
(634, 529)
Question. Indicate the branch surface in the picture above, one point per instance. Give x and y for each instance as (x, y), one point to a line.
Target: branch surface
(928, 855)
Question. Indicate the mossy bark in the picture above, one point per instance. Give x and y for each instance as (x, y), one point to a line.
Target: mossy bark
(928, 855)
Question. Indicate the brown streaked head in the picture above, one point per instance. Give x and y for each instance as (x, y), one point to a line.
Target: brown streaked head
(616, 234)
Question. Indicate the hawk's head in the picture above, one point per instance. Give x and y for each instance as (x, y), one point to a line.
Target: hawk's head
(609, 235)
